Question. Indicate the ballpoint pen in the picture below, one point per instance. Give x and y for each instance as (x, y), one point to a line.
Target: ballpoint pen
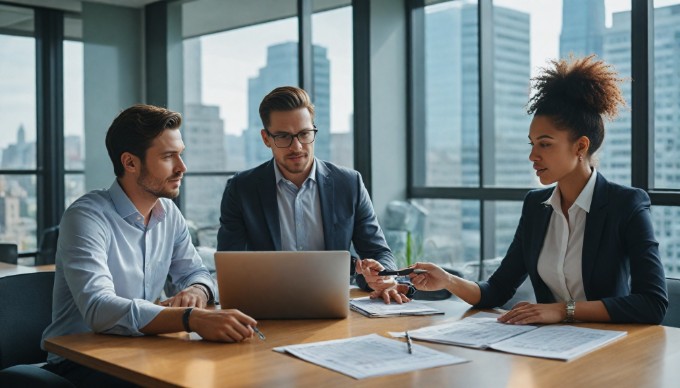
(259, 333)
(409, 343)
(401, 272)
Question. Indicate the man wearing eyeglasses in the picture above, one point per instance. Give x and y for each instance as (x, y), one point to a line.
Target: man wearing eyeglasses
(297, 202)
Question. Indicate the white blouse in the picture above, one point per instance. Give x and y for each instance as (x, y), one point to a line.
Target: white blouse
(559, 263)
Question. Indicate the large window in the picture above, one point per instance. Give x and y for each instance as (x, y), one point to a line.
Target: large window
(469, 124)
(18, 174)
(74, 129)
(230, 64)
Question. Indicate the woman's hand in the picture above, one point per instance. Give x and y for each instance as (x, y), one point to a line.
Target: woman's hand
(524, 313)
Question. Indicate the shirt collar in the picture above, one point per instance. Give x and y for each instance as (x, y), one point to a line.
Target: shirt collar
(584, 199)
(125, 208)
(279, 176)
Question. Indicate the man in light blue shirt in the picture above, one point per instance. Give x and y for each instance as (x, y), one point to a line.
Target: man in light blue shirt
(296, 202)
(117, 247)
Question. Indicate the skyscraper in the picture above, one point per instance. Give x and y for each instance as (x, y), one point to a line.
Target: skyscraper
(582, 28)
(203, 134)
(452, 122)
(281, 70)
(616, 157)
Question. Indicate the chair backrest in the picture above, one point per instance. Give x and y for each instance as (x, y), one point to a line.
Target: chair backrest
(48, 246)
(25, 311)
(673, 313)
(9, 253)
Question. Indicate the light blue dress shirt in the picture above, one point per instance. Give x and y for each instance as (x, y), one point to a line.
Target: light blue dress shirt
(110, 267)
(299, 213)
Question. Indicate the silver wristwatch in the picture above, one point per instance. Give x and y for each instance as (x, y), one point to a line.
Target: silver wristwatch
(571, 309)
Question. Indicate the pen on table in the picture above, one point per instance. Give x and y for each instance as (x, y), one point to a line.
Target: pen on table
(259, 333)
(409, 343)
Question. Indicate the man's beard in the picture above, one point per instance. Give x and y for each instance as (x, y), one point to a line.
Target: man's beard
(156, 187)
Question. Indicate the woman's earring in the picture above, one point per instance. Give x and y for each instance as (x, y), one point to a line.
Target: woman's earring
(580, 158)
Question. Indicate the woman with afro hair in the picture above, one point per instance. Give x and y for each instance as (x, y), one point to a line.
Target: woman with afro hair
(587, 244)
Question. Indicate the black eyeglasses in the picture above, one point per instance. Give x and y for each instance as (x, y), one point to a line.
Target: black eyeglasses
(284, 140)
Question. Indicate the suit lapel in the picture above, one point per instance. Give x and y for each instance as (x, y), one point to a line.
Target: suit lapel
(270, 208)
(538, 231)
(595, 221)
(327, 199)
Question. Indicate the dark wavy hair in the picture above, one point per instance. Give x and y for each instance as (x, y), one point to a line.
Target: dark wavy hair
(577, 93)
(134, 129)
(283, 99)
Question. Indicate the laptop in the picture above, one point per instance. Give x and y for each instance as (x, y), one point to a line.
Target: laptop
(284, 284)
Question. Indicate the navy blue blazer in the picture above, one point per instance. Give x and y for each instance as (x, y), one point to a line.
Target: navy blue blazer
(249, 217)
(621, 264)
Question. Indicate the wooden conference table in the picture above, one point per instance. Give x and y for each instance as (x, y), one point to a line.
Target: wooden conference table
(15, 269)
(649, 356)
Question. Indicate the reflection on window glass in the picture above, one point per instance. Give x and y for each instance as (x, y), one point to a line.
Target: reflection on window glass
(202, 196)
(333, 81)
(18, 203)
(446, 232)
(526, 36)
(451, 143)
(18, 127)
(226, 75)
(667, 230)
(507, 218)
(666, 95)
(74, 147)
(17, 102)
(74, 187)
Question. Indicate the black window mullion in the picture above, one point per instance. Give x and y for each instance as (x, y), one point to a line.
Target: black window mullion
(49, 36)
(305, 54)
(642, 104)
(362, 89)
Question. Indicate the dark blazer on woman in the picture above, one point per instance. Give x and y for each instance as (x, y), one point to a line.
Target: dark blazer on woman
(621, 264)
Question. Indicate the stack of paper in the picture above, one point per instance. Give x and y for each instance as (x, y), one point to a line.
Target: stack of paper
(377, 308)
(369, 356)
(550, 341)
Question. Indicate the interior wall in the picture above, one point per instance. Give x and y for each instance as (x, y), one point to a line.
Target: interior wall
(388, 102)
(112, 56)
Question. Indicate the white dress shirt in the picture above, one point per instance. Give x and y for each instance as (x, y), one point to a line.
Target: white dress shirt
(559, 263)
(111, 267)
(300, 217)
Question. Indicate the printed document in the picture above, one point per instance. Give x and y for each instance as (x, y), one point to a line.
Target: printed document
(377, 308)
(559, 342)
(369, 356)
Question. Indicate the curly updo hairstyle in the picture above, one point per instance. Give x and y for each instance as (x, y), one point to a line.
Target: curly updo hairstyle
(577, 93)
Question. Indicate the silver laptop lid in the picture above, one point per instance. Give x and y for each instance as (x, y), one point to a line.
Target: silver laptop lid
(285, 284)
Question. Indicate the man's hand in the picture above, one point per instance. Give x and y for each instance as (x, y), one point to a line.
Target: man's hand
(396, 293)
(191, 296)
(383, 286)
(222, 325)
(525, 313)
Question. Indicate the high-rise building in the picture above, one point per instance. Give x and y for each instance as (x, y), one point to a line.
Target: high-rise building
(203, 135)
(616, 158)
(281, 70)
(452, 123)
(582, 28)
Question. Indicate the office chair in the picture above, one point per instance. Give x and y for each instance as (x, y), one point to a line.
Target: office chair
(9, 253)
(25, 311)
(673, 313)
(48, 246)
